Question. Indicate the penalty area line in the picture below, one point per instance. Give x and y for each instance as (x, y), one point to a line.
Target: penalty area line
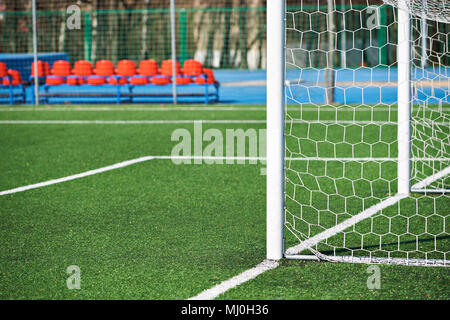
(77, 176)
(122, 165)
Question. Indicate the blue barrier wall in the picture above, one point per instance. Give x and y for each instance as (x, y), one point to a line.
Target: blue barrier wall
(22, 61)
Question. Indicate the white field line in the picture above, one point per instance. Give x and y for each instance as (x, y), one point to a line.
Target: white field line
(171, 157)
(129, 122)
(121, 165)
(162, 122)
(245, 276)
(421, 184)
(263, 266)
(77, 176)
(429, 180)
(216, 108)
(266, 265)
(348, 108)
(345, 224)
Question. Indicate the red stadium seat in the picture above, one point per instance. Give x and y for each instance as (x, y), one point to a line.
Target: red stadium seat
(54, 80)
(74, 80)
(192, 67)
(115, 80)
(43, 69)
(210, 77)
(16, 79)
(82, 68)
(61, 68)
(96, 80)
(104, 68)
(148, 68)
(184, 80)
(166, 68)
(126, 68)
(161, 80)
(139, 80)
(3, 70)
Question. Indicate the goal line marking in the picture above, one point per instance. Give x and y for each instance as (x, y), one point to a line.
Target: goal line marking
(121, 165)
(207, 121)
(429, 180)
(343, 108)
(77, 176)
(266, 265)
(217, 108)
(241, 278)
(130, 122)
(126, 163)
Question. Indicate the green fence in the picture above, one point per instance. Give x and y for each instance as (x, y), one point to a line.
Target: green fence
(219, 37)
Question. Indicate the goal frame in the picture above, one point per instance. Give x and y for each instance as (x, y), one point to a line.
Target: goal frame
(275, 122)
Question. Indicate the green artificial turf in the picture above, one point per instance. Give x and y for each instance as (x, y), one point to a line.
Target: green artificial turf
(157, 230)
(295, 280)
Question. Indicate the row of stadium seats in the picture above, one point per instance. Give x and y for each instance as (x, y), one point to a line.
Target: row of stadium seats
(11, 79)
(126, 73)
(105, 73)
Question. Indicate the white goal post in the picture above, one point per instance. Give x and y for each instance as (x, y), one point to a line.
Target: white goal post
(364, 177)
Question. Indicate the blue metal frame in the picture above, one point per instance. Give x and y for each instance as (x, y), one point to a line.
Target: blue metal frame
(11, 89)
(209, 97)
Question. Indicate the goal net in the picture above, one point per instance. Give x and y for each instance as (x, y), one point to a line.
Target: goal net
(367, 132)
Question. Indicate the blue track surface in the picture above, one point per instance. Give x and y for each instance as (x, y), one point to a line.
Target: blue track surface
(248, 87)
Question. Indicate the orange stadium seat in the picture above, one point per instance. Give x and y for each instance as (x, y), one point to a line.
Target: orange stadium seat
(161, 80)
(126, 68)
(15, 76)
(43, 69)
(192, 67)
(139, 80)
(148, 68)
(184, 80)
(210, 77)
(61, 68)
(166, 68)
(3, 70)
(96, 80)
(104, 68)
(81, 70)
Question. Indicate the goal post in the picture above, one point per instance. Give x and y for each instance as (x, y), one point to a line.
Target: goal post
(366, 178)
(404, 99)
(275, 128)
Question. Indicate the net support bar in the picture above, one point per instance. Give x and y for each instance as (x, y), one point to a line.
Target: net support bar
(404, 100)
(174, 50)
(275, 128)
(35, 56)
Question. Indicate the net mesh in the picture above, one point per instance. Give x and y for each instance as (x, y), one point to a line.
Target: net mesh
(437, 10)
(341, 201)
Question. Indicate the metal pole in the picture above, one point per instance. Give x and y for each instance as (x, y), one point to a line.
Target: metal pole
(36, 75)
(404, 99)
(424, 36)
(275, 128)
(174, 50)
(343, 38)
(329, 72)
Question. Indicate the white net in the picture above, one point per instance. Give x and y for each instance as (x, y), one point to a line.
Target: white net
(437, 10)
(341, 201)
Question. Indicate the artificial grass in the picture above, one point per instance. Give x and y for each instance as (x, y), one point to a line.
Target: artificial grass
(150, 231)
(156, 230)
(301, 280)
